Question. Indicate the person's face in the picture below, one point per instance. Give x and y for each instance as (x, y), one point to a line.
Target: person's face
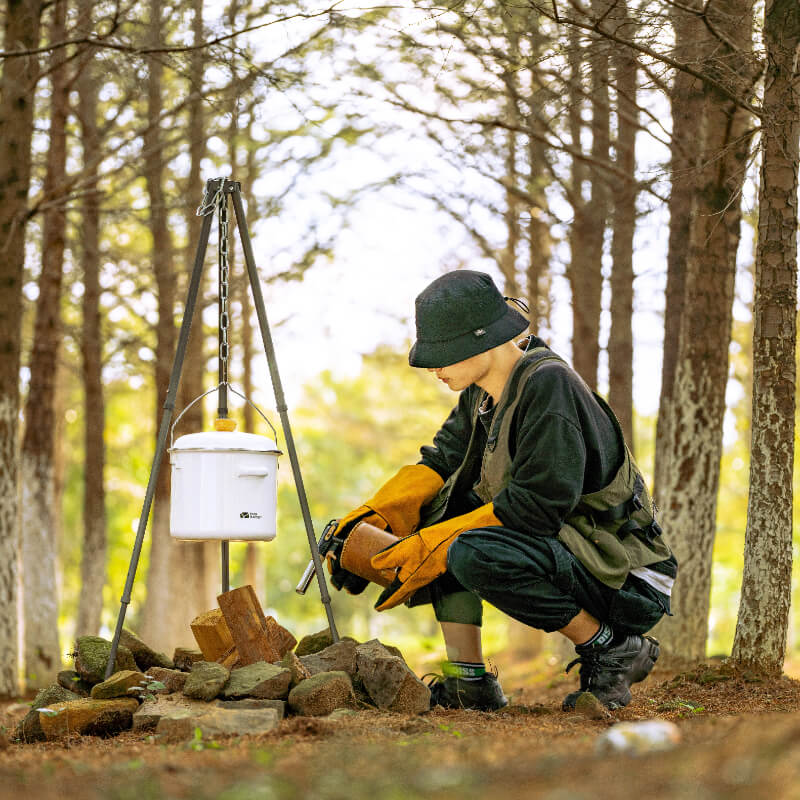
(463, 373)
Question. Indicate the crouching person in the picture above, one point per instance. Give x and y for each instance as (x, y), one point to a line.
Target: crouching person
(527, 499)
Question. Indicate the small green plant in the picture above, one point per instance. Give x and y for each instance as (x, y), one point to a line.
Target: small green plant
(684, 706)
(145, 691)
(451, 730)
(198, 743)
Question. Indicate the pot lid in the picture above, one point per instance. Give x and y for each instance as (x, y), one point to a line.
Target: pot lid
(226, 441)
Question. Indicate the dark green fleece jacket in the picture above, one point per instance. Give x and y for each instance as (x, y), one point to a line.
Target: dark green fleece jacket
(562, 442)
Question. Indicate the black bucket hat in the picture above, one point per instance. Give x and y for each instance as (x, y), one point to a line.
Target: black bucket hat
(460, 315)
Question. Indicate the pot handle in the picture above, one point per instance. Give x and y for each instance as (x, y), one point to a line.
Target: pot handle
(214, 389)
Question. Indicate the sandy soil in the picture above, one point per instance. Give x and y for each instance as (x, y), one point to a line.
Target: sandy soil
(740, 738)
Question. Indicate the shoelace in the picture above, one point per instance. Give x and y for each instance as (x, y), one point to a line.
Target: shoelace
(594, 662)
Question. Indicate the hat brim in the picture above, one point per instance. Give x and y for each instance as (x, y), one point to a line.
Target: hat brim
(431, 355)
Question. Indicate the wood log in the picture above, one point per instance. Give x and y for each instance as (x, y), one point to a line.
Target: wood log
(230, 658)
(212, 634)
(247, 625)
(282, 640)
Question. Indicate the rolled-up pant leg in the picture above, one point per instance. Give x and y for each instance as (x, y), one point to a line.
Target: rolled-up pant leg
(536, 580)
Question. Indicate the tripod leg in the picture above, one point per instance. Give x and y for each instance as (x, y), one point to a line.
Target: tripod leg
(161, 441)
(280, 401)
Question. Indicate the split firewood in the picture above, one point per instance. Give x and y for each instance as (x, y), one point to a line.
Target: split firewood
(282, 640)
(212, 634)
(247, 625)
(230, 658)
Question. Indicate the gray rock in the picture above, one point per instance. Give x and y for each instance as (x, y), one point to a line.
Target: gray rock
(70, 680)
(390, 684)
(254, 704)
(29, 728)
(261, 679)
(339, 657)
(151, 711)
(183, 658)
(91, 658)
(215, 722)
(173, 679)
(205, 680)
(119, 684)
(143, 654)
(322, 693)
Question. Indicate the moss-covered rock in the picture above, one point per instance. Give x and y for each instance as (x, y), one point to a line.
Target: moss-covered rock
(119, 685)
(91, 657)
(261, 679)
(29, 728)
(314, 642)
(206, 680)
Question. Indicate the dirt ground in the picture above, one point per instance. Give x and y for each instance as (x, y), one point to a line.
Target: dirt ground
(740, 738)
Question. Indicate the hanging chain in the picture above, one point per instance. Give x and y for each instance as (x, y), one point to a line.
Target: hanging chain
(224, 278)
(210, 201)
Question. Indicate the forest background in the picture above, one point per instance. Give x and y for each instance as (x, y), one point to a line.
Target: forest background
(630, 170)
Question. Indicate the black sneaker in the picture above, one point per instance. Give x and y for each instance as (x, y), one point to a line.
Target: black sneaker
(608, 672)
(484, 694)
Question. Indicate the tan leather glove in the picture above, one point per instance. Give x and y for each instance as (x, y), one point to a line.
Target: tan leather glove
(396, 505)
(422, 557)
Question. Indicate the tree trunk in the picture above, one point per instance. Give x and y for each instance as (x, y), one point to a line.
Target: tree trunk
(199, 573)
(508, 256)
(588, 226)
(39, 546)
(690, 481)
(760, 640)
(686, 99)
(537, 268)
(17, 86)
(162, 608)
(93, 557)
(620, 341)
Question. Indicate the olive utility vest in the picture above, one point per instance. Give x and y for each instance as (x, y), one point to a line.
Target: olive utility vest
(610, 531)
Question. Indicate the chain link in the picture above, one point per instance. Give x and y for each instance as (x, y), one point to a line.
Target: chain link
(221, 200)
(210, 201)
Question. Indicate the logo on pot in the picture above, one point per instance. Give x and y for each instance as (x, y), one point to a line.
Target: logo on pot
(249, 515)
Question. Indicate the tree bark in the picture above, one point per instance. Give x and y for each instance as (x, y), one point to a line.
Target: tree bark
(199, 573)
(162, 607)
(39, 545)
(589, 221)
(17, 86)
(537, 268)
(93, 557)
(686, 98)
(620, 340)
(690, 481)
(760, 640)
(508, 256)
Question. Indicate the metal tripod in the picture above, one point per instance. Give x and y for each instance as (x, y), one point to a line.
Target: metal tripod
(216, 196)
